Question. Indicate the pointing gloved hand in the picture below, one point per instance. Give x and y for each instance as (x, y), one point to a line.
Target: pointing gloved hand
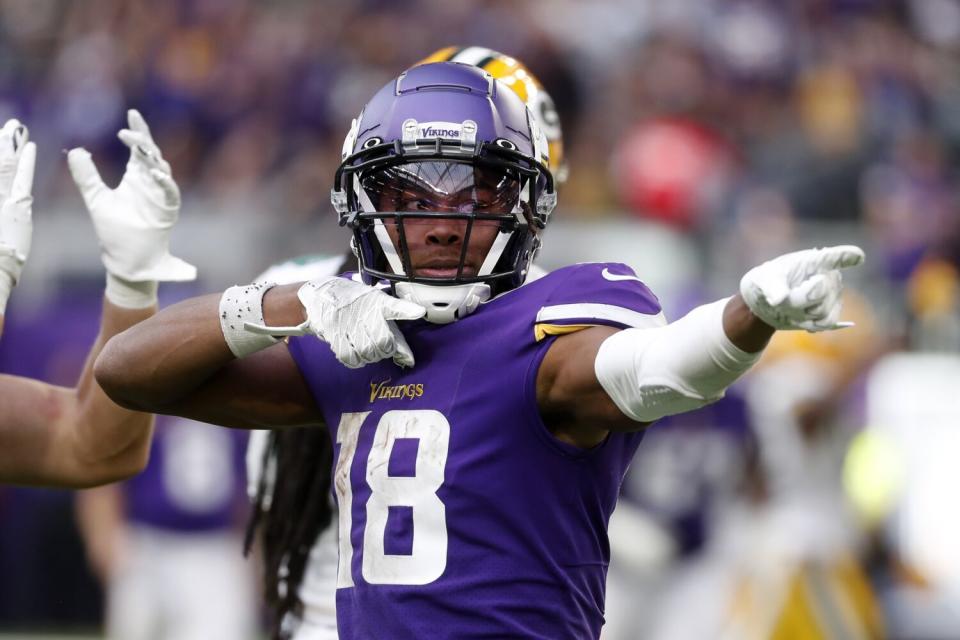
(800, 290)
(357, 321)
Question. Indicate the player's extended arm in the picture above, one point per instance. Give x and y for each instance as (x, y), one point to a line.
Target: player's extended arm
(212, 358)
(179, 363)
(101, 522)
(602, 379)
(72, 436)
(77, 436)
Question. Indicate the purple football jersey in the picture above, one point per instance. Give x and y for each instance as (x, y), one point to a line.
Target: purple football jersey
(461, 516)
(193, 481)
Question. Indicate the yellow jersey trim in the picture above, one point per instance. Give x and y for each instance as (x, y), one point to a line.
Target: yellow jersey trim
(542, 330)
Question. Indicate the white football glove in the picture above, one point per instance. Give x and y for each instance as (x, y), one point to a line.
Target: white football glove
(17, 161)
(133, 221)
(800, 290)
(356, 320)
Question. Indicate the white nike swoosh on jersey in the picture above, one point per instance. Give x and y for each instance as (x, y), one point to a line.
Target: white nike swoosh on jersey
(614, 277)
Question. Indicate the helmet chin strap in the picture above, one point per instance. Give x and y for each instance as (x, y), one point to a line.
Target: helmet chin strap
(444, 304)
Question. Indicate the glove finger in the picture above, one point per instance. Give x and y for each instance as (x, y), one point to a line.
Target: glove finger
(346, 352)
(143, 148)
(828, 321)
(23, 179)
(19, 134)
(832, 320)
(403, 354)
(15, 132)
(379, 338)
(9, 156)
(341, 351)
(85, 175)
(809, 293)
(838, 257)
(833, 288)
(398, 309)
(132, 138)
(771, 287)
(137, 123)
(171, 192)
(8, 128)
(833, 314)
(140, 146)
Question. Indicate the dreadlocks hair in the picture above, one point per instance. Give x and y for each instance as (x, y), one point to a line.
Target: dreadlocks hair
(294, 514)
(291, 518)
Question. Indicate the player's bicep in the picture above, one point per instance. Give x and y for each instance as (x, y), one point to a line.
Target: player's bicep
(567, 387)
(262, 390)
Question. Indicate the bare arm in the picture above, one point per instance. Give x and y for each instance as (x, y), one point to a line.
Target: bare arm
(75, 437)
(101, 522)
(574, 404)
(178, 363)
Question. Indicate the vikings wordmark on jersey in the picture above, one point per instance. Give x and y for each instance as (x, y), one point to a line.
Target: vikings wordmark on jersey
(460, 513)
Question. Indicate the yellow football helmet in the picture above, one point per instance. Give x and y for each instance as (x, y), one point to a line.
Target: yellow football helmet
(516, 76)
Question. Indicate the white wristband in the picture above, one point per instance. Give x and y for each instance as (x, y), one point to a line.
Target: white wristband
(131, 295)
(240, 305)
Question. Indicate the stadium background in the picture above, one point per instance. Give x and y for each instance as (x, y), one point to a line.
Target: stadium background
(701, 136)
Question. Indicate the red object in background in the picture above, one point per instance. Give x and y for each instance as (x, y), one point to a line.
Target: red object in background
(668, 169)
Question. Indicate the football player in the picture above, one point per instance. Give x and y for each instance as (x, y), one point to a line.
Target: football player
(77, 437)
(291, 504)
(482, 429)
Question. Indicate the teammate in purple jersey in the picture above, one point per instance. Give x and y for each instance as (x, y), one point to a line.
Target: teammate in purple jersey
(482, 430)
(164, 544)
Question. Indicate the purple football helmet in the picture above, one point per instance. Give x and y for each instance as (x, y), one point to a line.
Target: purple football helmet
(445, 141)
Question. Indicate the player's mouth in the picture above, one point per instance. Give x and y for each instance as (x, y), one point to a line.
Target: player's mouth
(444, 269)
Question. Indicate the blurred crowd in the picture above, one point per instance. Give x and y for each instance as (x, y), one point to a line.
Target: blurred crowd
(743, 128)
(727, 117)
(836, 105)
(744, 114)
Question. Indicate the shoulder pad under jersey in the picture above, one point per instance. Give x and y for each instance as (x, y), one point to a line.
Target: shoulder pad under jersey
(597, 293)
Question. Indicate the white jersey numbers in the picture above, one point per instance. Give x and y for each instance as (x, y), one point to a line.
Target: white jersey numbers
(347, 434)
(410, 497)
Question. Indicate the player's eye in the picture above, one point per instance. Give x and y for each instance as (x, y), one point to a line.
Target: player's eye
(414, 204)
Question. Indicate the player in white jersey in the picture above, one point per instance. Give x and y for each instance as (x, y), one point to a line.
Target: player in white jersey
(76, 437)
(315, 597)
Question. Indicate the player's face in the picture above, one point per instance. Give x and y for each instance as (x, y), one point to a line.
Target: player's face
(435, 243)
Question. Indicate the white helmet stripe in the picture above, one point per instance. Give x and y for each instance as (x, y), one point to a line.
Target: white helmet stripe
(496, 250)
(389, 251)
(524, 197)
